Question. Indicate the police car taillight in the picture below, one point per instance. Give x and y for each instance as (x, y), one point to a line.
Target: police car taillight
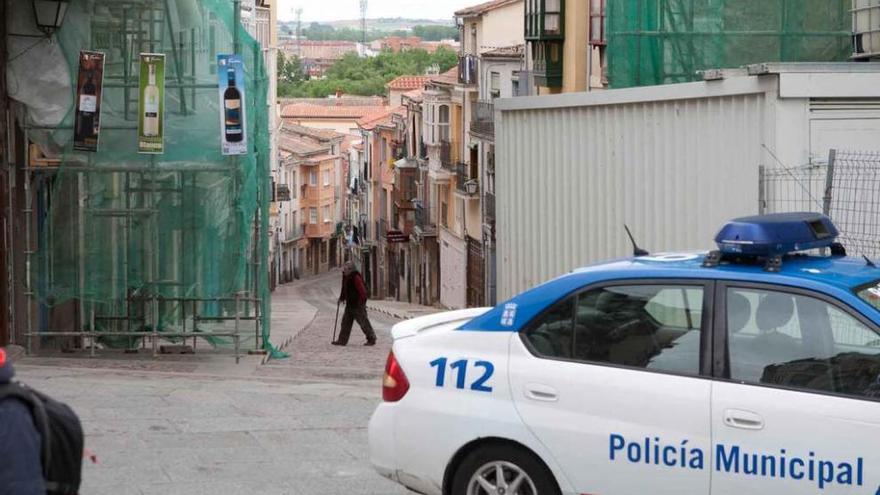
(394, 383)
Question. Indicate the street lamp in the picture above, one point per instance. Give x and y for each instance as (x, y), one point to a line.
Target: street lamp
(471, 187)
(49, 14)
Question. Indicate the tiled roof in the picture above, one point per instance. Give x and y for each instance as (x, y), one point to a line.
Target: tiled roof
(305, 110)
(370, 122)
(313, 132)
(407, 82)
(414, 95)
(483, 8)
(345, 100)
(448, 77)
(505, 51)
(299, 145)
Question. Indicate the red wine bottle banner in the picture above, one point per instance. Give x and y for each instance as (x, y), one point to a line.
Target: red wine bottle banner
(151, 104)
(89, 84)
(230, 75)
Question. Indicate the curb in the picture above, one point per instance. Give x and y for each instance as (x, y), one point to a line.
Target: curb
(387, 312)
(289, 340)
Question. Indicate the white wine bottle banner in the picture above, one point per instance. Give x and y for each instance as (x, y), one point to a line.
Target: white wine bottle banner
(233, 127)
(151, 104)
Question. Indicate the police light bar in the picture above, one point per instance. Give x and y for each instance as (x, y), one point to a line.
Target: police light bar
(776, 234)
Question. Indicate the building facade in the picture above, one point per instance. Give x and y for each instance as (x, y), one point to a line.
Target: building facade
(310, 237)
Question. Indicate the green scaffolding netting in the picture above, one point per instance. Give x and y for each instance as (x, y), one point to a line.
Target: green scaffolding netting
(667, 41)
(173, 242)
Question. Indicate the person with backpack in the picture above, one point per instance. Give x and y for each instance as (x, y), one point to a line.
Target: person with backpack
(41, 440)
(354, 294)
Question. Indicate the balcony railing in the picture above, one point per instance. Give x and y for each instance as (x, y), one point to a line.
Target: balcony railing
(381, 228)
(461, 176)
(489, 205)
(295, 233)
(425, 220)
(483, 118)
(467, 69)
(446, 159)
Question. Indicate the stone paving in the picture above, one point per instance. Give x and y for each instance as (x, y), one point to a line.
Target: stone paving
(199, 424)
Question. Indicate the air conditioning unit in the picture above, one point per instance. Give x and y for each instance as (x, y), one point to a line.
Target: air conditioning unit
(866, 29)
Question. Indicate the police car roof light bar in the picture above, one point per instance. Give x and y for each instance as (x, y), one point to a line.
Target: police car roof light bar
(770, 237)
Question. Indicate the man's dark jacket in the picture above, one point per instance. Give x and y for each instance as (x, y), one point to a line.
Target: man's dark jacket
(354, 292)
(21, 471)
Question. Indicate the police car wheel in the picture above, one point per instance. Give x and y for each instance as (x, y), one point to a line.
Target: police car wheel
(502, 470)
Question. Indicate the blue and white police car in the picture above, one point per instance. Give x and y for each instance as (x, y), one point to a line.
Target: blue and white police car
(754, 369)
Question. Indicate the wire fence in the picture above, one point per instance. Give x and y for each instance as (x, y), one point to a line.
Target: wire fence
(846, 188)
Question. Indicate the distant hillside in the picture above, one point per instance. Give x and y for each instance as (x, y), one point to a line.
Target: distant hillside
(391, 24)
(381, 24)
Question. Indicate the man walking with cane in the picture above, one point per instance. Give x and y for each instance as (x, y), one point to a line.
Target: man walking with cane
(354, 294)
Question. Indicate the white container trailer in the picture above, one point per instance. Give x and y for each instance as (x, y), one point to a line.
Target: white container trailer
(672, 162)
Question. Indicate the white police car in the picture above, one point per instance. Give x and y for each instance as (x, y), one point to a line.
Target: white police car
(743, 371)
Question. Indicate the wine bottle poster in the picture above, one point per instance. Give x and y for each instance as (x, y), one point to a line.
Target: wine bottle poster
(89, 84)
(151, 104)
(230, 78)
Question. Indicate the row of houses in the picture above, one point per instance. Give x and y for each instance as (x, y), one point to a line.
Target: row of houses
(421, 195)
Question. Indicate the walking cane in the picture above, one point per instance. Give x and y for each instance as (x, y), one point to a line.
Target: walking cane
(335, 321)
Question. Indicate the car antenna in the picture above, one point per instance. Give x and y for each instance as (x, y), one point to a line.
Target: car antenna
(637, 251)
(869, 262)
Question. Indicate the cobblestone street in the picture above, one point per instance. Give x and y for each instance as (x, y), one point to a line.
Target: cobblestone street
(200, 424)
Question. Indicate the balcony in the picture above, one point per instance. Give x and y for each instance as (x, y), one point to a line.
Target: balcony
(461, 177)
(381, 229)
(294, 234)
(314, 230)
(489, 207)
(483, 118)
(544, 20)
(467, 69)
(446, 156)
(425, 223)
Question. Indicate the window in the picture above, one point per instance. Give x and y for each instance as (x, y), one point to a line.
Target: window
(292, 183)
(327, 218)
(443, 123)
(597, 22)
(495, 85)
(553, 16)
(313, 215)
(801, 342)
(656, 327)
(326, 177)
(871, 294)
(313, 178)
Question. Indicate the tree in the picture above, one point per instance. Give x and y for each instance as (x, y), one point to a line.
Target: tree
(290, 70)
(365, 76)
(435, 33)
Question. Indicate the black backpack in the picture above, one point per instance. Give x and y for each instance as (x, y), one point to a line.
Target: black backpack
(61, 434)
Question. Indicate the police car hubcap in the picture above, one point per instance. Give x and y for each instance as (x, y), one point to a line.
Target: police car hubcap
(500, 478)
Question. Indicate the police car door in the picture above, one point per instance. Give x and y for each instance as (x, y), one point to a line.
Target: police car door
(797, 406)
(609, 380)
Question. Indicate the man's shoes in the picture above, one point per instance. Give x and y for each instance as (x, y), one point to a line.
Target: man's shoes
(336, 342)
(370, 342)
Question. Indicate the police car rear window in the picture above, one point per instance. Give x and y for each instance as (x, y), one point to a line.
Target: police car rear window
(871, 294)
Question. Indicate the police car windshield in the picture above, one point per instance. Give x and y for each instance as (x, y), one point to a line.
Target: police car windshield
(871, 294)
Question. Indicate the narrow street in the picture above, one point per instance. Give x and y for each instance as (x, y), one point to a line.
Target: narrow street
(199, 424)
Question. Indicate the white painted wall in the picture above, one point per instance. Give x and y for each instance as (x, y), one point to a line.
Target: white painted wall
(672, 162)
(453, 271)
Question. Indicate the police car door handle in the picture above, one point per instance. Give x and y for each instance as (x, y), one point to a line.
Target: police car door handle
(746, 420)
(536, 391)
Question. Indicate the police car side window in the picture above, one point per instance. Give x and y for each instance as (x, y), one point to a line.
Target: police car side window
(551, 334)
(655, 327)
(797, 341)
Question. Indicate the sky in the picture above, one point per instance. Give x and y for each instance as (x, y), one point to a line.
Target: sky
(336, 10)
